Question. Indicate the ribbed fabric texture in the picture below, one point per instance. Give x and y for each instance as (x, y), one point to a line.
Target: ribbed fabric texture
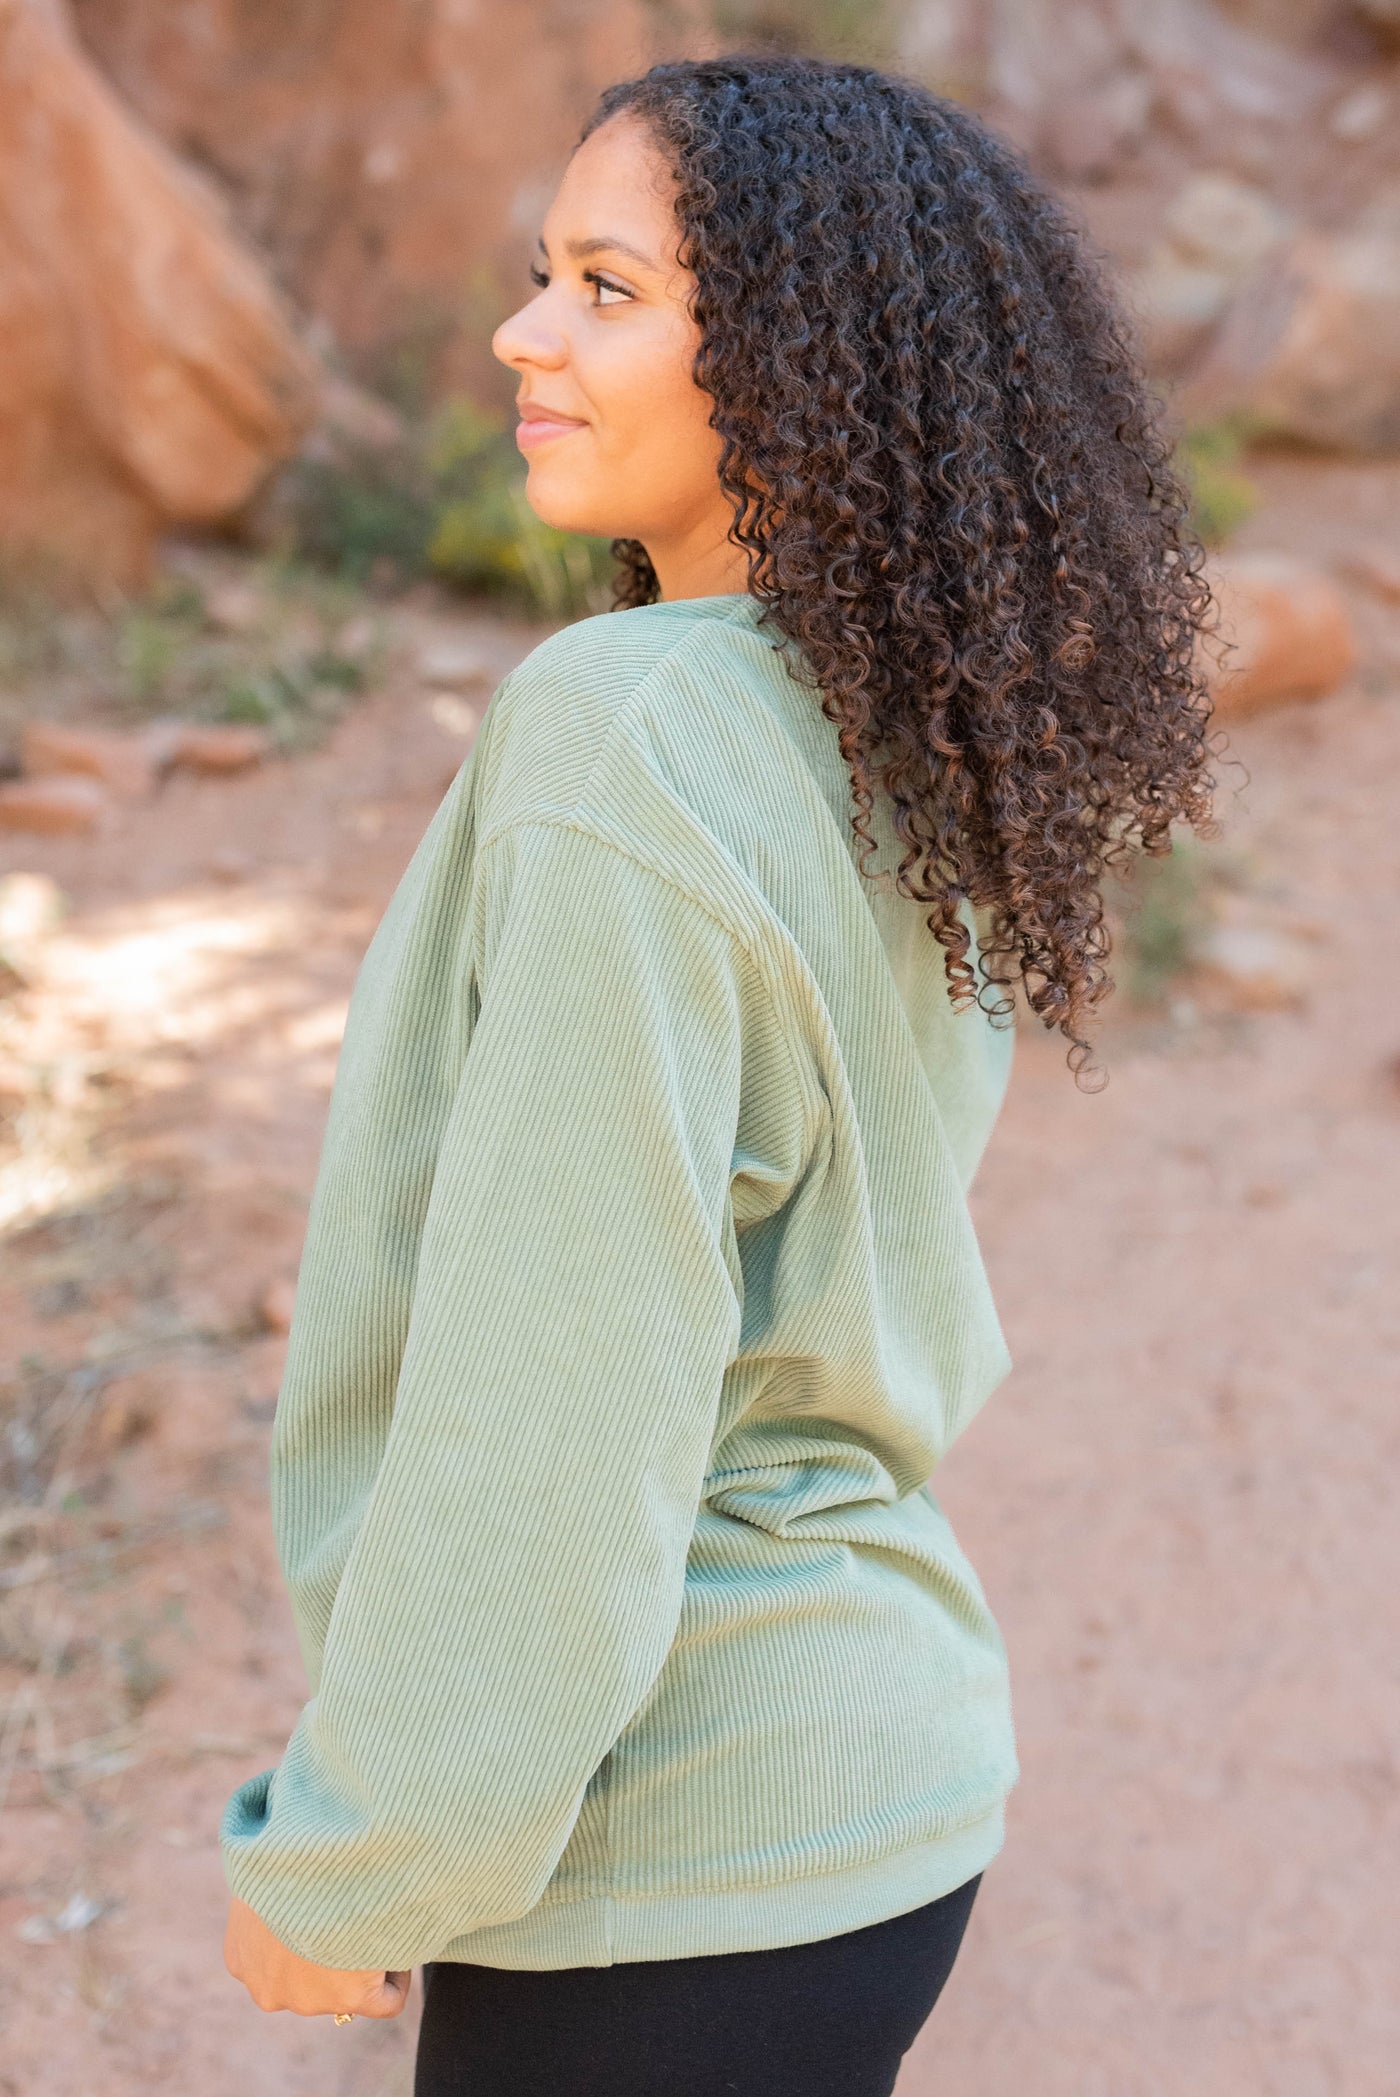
(639, 1300)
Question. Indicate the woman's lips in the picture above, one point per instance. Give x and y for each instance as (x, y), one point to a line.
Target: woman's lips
(543, 428)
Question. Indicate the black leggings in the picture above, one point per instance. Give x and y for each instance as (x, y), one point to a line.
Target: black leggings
(829, 2019)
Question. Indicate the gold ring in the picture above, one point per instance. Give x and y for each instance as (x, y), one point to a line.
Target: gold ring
(345, 2016)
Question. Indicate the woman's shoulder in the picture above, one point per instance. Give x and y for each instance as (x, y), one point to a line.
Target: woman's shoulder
(552, 715)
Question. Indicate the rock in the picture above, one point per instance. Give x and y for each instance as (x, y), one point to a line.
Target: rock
(78, 1913)
(1377, 572)
(229, 863)
(1089, 134)
(1177, 303)
(352, 422)
(453, 715)
(160, 737)
(1291, 629)
(127, 1412)
(454, 666)
(1257, 968)
(29, 903)
(1383, 16)
(198, 746)
(1381, 214)
(30, 906)
(151, 376)
(1222, 224)
(277, 1304)
(358, 636)
(1222, 77)
(58, 802)
(234, 607)
(122, 762)
(1214, 233)
(1310, 345)
(1360, 114)
(218, 749)
(386, 155)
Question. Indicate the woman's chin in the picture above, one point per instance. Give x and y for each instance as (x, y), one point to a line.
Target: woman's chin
(568, 508)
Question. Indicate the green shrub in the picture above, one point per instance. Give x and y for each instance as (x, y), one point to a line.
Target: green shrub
(448, 502)
(301, 644)
(1222, 497)
(368, 512)
(476, 523)
(850, 29)
(1167, 908)
(151, 635)
(296, 699)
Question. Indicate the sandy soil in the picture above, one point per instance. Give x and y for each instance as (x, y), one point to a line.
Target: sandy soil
(1179, 1501)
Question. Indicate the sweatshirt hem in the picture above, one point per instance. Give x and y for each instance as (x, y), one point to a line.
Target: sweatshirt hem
(617, 1928)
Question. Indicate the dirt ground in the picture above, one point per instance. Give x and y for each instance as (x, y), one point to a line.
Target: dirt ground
(1180, 1501)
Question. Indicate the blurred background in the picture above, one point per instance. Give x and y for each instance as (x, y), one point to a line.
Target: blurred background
(263, 559)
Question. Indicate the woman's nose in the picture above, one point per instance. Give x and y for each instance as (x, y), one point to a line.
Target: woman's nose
(527, 338)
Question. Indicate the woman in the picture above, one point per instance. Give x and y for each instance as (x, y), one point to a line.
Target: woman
(656, 1711)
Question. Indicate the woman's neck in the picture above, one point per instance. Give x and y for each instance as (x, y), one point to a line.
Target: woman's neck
(699, 565)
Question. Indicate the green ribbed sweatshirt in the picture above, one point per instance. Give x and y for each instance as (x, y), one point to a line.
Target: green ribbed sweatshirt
(639, 1299)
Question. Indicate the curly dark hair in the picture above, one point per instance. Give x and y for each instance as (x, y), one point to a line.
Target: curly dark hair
(948, 475)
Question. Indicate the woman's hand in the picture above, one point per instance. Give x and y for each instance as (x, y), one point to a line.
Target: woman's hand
(278, 1980)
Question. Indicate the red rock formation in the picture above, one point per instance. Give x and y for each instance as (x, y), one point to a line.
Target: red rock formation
(125, 763)
(390, 160)
(54, 803)
(1311, 345)
(1289, 629)
(148, 374)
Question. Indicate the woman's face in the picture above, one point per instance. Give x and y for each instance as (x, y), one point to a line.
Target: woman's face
(614, 427)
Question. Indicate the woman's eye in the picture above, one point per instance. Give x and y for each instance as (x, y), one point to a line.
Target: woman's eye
(591, 276)
(615, 292)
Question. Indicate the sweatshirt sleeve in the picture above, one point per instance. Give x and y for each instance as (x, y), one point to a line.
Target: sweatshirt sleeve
(515, 1580)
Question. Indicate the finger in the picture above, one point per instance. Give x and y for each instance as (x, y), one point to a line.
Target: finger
(322, 1991)
(388, 1998)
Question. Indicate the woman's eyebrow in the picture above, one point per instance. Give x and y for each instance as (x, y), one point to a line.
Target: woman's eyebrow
(579, 250)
